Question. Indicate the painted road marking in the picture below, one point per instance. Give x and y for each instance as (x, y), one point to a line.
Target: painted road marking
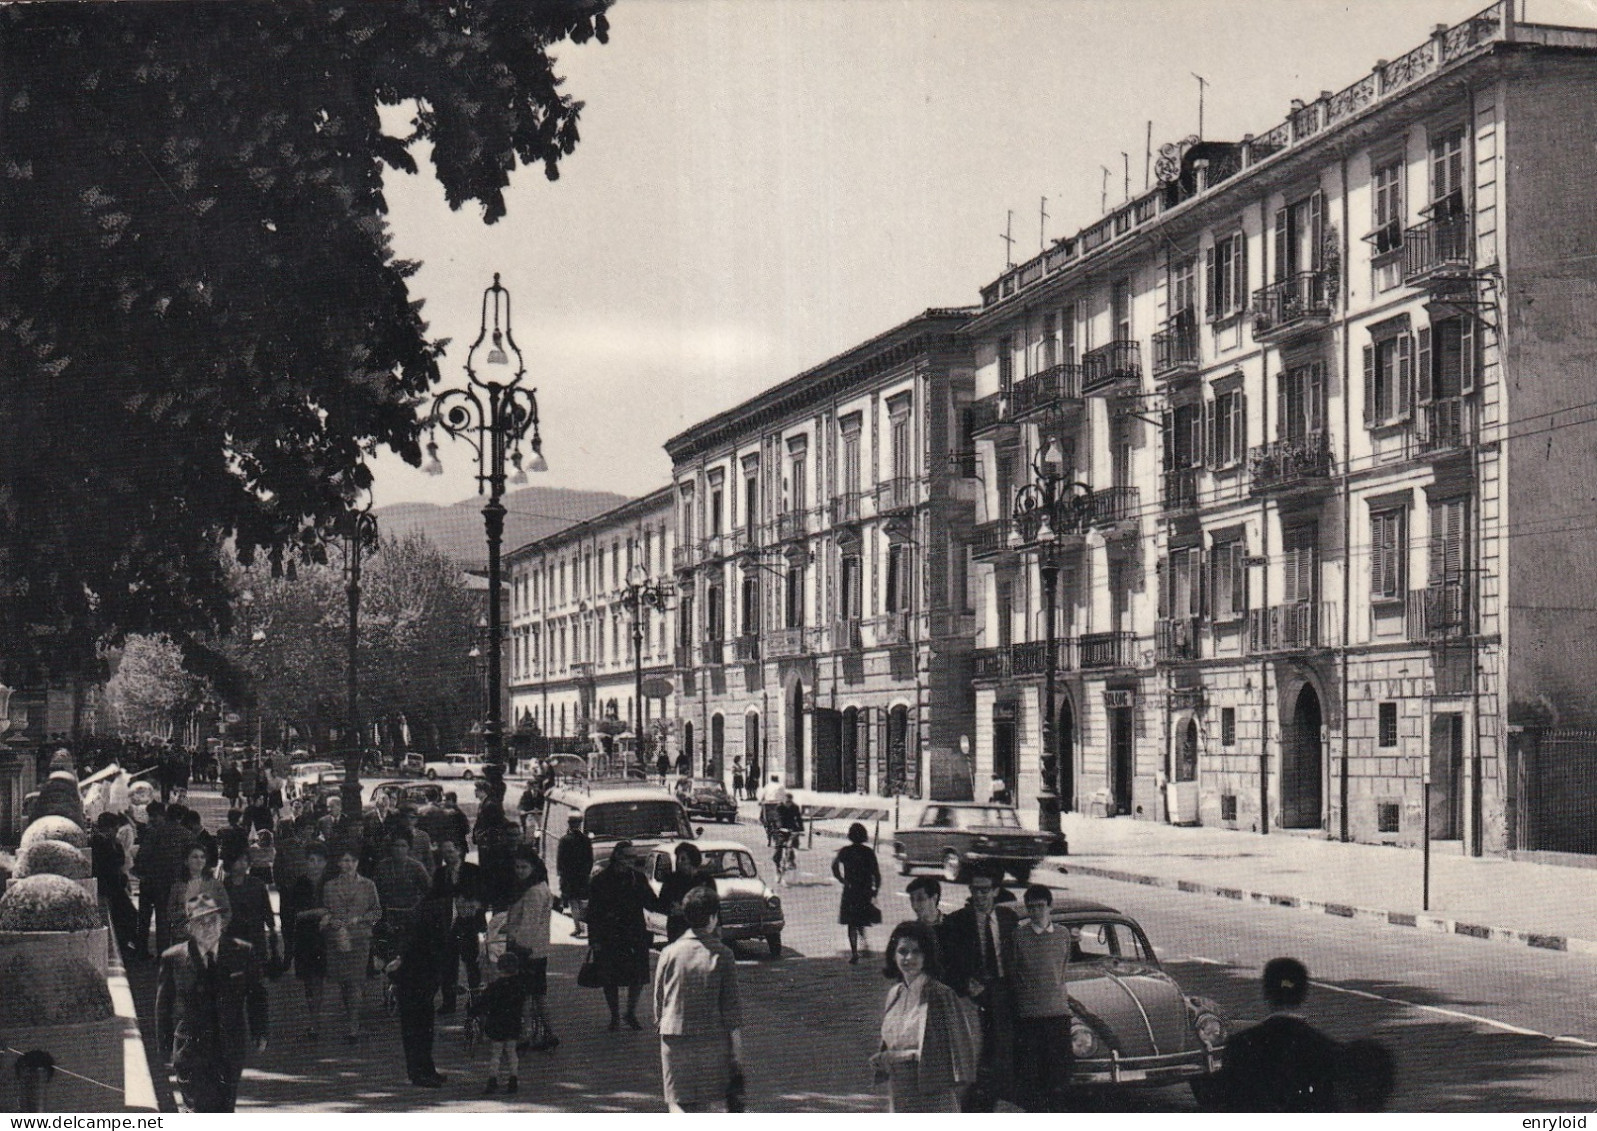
(1489, 1022)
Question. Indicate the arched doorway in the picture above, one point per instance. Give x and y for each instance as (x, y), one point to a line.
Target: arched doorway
(795, 736)
(717, 746)
(751, 751)
(850, 751)
(1004, 761)
(1301, 769)
(1186, 767)
(897, 750)
(1065, 726)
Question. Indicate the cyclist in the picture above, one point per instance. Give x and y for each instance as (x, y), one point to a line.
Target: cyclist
(787, 825)
(770, 797)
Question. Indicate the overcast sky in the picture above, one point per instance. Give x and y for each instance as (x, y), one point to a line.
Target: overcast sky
(762, 184)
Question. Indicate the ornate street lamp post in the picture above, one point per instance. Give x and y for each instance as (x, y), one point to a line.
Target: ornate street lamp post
(493, 413)
(1043, 509)
(358, 540)
(639, 593)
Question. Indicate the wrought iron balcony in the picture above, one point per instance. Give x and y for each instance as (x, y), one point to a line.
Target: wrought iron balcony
(1442, 611)
(989, 413)
(1112, 506)
(790, 526)
(846, 635)
(1181, 489)
(990, 663)
(1446, 425)
(990, 540)
(883, 632)
(845, 508)
(682, 657)
(788, 642)
(1298, 627)
(684, 557)
(747, 648)
(1298, 302)
(1299, 464)
(1175, 347)
(896, 495)
(1031, 657)
(1054, 389)
(1437, 249)
(1177, 640)
(743, 540)
(1111, 368)
(1101, 650)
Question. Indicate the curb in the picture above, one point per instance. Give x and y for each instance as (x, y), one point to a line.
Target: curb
(1423, 922)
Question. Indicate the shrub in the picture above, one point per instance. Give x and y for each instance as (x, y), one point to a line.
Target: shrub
(47, 903)
(59, 796)
(50, 991)
(55, 828)
(54, 857)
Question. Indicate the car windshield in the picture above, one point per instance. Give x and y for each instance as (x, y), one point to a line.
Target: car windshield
(729, 862)
(627, 820)
(1096, 941)
(989, 815)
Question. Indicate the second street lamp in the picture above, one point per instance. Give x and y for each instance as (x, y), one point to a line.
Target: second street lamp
(358, 541)
(1044, 509)
(493, 413)
(640, 593)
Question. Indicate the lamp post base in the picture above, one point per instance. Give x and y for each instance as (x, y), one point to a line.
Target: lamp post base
(1048, 813)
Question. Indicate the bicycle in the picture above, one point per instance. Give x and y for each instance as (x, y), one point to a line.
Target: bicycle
(786, 855)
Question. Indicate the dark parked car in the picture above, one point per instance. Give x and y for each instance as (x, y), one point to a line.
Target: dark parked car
(417, 793)
(708, 798)
(959, 837)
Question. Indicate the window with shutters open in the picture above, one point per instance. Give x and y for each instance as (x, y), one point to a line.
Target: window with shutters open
(1446, 359)
(1299, 236)
(1388, 555)
(1225, 277)
(751, 602)
(1298, 562)
(1229, 580)
(1447, 174)
(1388, 379)
(1183, 428)
(1446, 556)
(1006, 363)
(1302, 402)
(1228, 429)
(1185, 577)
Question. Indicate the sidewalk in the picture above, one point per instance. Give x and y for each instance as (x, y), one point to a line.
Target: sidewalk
(1491, 898)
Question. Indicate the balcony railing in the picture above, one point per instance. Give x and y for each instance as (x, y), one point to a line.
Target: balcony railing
(1299, 301)
(990, 540)
(1177, 639)
(1031, 657)
(1438, 248)
(846, 507)
(895, 495)
(1108, 650)
(789, 642)
(990, 663)
(964, 464)
(747, 648)
(684, 557)
(682, 657)
(582, 671)
(1446, 425)
(1181, 489)
(742, 540)
(1110, 366)
(713, 547)
(1054, 388)
(1113, 505)
(988, 413)
(884, 632)
(1292, 628)
(791, 525)
(1175, 346)
(1302, 462)
(1440, 612)
(846, 635)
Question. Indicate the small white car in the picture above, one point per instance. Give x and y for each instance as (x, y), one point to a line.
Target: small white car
(463, 766)
(306, 774)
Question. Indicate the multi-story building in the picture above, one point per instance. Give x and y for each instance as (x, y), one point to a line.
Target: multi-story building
(823, 610)
(571, 659)
(1318, 407)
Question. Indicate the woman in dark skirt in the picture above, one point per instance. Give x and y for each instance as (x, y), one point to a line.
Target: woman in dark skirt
(302, 914)
(618, 933)
(855, 868)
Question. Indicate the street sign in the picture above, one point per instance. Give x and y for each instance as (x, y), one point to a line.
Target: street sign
(233, 718)
(657, 687)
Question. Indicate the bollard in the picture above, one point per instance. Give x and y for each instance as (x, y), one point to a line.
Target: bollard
(34, 1071)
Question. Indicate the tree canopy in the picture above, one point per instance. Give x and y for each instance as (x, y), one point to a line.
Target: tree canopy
(203, 326)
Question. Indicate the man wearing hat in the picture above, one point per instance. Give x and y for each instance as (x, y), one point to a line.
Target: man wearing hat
(210, 1004)
(574, 864)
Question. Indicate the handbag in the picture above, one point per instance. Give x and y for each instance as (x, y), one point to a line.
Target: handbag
(874, 914)
(588, 973)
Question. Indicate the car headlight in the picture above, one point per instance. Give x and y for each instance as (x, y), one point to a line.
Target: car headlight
(1210, 1029)
(773, 902)
(1084, 1043)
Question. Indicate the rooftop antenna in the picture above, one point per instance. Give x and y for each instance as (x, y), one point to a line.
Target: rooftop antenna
(1009, 241)
(1125, 160)
(1103, 196)
(1147, 159)
(1202, 82)
(1042, 225)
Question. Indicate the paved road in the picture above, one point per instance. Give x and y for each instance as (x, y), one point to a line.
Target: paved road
(1473, 1028)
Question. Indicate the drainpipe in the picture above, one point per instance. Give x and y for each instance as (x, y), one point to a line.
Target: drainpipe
(1347, 503)
(1473, 575)
(1264, 595)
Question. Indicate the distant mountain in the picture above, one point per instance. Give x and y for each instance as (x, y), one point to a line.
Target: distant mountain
(530, 513)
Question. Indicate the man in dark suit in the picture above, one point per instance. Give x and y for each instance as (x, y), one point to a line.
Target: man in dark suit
(1283, 1063)
(978, 944)
(416, 979)
(574, 865)
(210, 1004)
(459, 884)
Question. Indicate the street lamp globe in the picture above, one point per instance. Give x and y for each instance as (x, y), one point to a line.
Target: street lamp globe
(636, 576)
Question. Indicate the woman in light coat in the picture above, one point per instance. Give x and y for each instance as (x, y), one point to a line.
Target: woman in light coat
(353, 909)
(928, 1051)
(698, 1011)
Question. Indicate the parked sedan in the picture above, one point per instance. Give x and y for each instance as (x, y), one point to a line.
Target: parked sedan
(306, 774)
(463, 766)
(961, 837)
(416, 793)
(1132, 1024)
(749, 909)
(708, 798)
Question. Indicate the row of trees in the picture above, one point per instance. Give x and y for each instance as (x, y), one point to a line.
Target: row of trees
(418, 625)
(204, 331)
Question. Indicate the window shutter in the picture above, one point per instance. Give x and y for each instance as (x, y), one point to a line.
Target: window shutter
(1283, 245)
(1424, 372)
(1378, 556)
(1211, 301)
(1370, 413)
(1239, 579)
(1404, 399)
(1239, 267)
(1239, 448)
(1468, 355)
(1202, 422)
(1317, 229)
(1169, 432)
(1162, 569)
(1200, 584)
